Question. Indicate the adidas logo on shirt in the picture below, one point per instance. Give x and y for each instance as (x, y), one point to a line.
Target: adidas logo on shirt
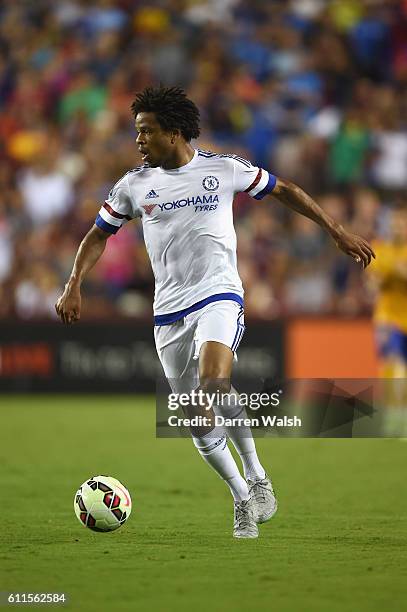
(152, 194)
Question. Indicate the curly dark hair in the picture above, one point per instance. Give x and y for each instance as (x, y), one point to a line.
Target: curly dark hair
(172, 108)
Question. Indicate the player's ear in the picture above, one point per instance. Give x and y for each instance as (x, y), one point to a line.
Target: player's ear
(175, 134)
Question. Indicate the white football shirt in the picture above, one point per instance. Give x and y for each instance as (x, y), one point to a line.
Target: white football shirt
(188, 227)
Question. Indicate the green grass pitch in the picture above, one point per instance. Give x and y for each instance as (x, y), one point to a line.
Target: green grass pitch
(337, 543)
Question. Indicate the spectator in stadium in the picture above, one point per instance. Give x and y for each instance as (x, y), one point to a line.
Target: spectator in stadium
(389, 279)
(315, 91)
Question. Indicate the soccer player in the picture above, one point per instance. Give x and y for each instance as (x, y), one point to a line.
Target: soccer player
(184, 198)
(389, 276)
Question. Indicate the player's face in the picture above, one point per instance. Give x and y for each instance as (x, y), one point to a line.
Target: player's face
(152, 141)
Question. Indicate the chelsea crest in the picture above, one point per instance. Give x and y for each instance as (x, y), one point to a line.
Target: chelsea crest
(210, 183)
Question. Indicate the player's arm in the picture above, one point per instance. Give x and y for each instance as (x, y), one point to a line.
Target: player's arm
(68, 306)
(295, 198)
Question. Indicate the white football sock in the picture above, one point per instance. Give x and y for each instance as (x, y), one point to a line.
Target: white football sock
(214, 449)
(241, 436)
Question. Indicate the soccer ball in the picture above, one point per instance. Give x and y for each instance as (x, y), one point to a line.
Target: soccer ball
(102, 503)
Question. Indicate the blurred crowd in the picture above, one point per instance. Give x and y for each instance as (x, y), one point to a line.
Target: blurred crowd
(313, 90)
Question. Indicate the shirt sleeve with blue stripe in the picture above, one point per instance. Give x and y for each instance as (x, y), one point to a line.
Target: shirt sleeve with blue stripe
(255, 181)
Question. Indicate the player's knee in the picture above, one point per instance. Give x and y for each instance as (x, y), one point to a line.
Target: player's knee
(215, 383)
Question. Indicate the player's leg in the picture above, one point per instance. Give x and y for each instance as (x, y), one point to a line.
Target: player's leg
(215, 368)
(176, 350)
(241, 436)
(174, 345)
(225, 321)
(259, 483)
(391, 347)
(403, 360)
(219, 331)
(399, 381)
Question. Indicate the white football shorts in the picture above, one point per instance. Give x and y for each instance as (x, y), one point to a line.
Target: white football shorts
(178, 344)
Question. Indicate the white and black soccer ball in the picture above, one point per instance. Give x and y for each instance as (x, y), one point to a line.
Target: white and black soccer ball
(102, 503)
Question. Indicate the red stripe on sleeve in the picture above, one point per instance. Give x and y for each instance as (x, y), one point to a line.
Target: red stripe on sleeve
(114, 213)
(255, 182)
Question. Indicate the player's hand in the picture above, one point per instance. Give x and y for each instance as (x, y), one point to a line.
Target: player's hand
(355, 246)
(68, 306)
